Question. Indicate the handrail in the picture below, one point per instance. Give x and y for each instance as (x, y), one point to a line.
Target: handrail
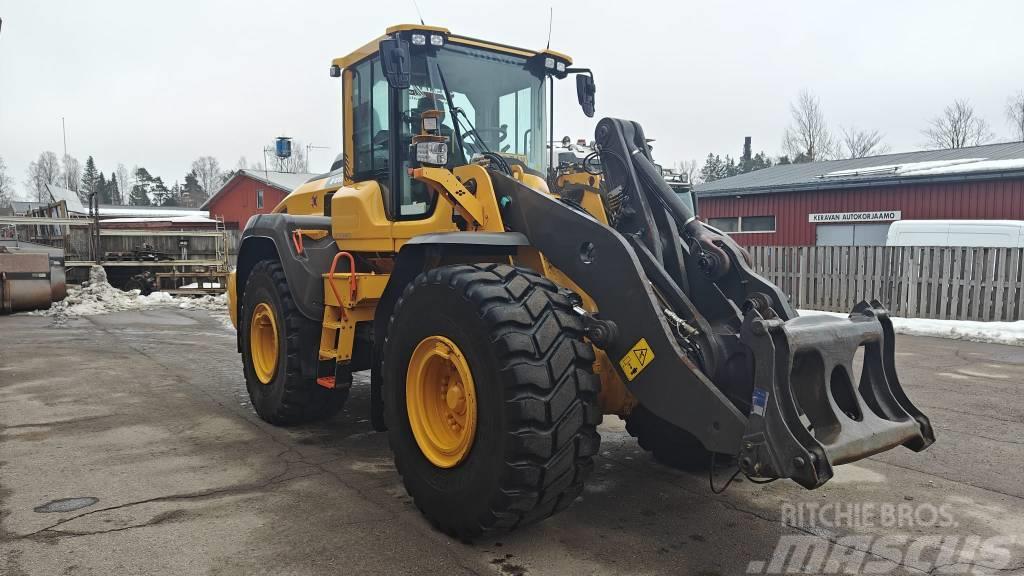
(351, 279)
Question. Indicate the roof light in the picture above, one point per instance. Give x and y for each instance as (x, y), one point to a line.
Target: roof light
(549, 62)
(560, 67)
(436, 40)
(419, 39)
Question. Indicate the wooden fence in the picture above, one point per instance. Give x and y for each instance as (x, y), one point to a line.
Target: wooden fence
(914, 282)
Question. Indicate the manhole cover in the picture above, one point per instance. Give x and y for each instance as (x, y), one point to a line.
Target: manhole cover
(67, 504)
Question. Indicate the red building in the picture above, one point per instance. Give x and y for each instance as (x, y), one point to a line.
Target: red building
(853, 202)
(251, 192)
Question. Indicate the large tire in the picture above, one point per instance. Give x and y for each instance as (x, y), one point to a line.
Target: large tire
(668, 443)
(289, 397)
(536, 397)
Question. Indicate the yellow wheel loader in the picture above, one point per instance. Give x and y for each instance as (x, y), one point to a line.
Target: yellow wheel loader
(502, 304)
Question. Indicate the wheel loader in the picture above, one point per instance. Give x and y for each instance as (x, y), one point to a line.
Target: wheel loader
(503, 304)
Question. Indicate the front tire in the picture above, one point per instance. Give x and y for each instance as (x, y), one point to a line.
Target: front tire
(534, 396)
(274, 337)
(669, 444)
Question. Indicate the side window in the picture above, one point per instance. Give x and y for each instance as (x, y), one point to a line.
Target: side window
(259, 198)
(514, 115)
(369, 118)
(726, 224)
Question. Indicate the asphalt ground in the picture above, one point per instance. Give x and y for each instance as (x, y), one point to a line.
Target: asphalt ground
(146, 412)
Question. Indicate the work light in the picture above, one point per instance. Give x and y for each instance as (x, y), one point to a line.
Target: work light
(434, 153)
(436, 40)
(419, 39)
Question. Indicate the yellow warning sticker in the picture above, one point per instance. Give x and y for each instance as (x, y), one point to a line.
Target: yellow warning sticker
(637, 359)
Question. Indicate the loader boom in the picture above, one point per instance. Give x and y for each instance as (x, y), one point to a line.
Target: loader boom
(750, 378)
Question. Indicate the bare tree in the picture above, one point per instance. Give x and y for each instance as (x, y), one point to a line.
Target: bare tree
(6, 185)
(209, 174)
(808, 138)
(1015, 115)
(957, 127)
(857, 143)
(41, 172)
(72, 174)
(692, 170)
(124, 183)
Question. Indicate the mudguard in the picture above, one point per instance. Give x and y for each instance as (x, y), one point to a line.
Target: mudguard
(270, 236)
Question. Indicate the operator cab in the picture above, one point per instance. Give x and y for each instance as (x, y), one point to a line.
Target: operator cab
(489, 100)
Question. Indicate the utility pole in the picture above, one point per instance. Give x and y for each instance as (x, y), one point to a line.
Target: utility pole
(64, 132)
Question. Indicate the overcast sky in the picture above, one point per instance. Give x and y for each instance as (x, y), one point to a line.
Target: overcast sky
(157, 84)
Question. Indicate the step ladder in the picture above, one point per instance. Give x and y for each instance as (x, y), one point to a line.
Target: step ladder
(221, 245)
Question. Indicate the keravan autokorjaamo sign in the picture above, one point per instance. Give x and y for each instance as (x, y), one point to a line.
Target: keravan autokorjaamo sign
(882, 216)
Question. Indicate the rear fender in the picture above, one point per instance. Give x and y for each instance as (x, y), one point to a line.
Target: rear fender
(269, 237)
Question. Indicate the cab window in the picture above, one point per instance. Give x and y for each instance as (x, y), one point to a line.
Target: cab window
(369, 120)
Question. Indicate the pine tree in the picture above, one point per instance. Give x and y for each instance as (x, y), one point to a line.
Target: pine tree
(114, 189)
(713, 168)
(90, 178)
(192, 192)
(140, 191)
(102, 192)
(760, 160)
(730, 168)
(160, 192)
(173, 197)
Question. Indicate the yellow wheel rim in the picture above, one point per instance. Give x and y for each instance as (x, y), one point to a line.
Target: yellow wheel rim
(441, 401)
(263, 342)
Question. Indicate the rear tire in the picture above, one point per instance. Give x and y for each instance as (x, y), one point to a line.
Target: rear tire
(668, 443)
(288, 397)
(535, 400)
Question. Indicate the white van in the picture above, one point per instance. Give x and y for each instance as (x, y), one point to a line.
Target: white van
(989, 233)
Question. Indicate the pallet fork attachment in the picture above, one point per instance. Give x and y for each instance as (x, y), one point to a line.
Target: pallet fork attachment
(808, 413)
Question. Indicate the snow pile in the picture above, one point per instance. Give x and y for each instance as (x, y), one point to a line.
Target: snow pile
(98, 297)
(218, 303)
(993, 332)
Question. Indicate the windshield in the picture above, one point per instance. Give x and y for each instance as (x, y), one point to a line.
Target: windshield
(500, 104)
(683, 191)
(500, 108)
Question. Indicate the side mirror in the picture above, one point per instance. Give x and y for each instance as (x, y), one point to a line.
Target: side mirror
(395, 61)
(585, 90)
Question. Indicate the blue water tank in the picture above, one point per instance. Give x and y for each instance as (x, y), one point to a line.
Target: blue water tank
(283, 147)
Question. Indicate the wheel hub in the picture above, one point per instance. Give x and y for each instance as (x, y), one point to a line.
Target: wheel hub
(263, 343)
(441, 401)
